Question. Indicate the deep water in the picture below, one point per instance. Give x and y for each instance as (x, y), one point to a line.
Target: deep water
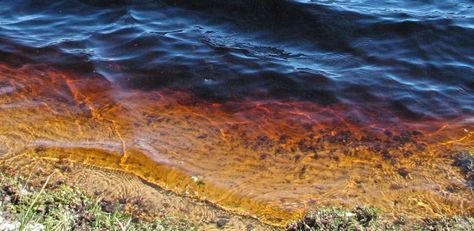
(412, 58)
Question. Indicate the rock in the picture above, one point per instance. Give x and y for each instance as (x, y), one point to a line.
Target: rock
(221, 222)
(403, 172)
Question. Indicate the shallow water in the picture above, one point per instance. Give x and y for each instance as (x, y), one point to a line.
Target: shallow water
(266, 108)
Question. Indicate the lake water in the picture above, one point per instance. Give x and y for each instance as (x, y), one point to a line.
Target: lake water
(265, 108)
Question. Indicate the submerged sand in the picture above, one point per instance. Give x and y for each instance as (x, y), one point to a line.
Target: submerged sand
(271, 160)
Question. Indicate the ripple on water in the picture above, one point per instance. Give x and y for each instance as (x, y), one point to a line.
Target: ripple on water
(266, 108)
(270, 159)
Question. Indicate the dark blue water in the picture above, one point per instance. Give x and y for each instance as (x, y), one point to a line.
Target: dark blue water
(414, 58)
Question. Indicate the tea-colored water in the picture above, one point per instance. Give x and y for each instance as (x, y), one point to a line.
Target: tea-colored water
(270, 159)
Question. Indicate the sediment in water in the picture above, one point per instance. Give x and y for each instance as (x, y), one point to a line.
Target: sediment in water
(270, 159)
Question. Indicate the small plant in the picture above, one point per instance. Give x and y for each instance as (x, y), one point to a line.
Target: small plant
(447, 223)
(336, 219)
(64, 208)
(27, 215)
(365, 216)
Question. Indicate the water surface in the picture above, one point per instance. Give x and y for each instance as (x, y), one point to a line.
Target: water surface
(266, 108)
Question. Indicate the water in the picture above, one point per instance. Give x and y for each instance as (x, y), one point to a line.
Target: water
(266, 108)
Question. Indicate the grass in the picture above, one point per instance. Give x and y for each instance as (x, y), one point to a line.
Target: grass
(53, 206)
(445, 223)
(336, 219)
(366, 218)
(60, 207)
(27, 215)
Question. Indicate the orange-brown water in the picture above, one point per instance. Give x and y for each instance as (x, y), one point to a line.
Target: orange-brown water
(270, 159)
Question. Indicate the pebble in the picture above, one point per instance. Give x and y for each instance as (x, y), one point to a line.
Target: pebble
(221, 222)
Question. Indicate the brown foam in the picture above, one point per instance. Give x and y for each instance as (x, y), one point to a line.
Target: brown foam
(266, 158)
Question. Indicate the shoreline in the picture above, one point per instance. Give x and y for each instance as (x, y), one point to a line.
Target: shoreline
(116, 186)
(272, 160)
(74, 176)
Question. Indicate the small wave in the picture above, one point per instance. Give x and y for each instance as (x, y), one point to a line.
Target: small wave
(404, 57)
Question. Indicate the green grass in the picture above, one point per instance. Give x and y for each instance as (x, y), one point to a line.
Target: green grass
(447, 223)
(336, 219)
(53, 206)
(64, 208)
(366, 218)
